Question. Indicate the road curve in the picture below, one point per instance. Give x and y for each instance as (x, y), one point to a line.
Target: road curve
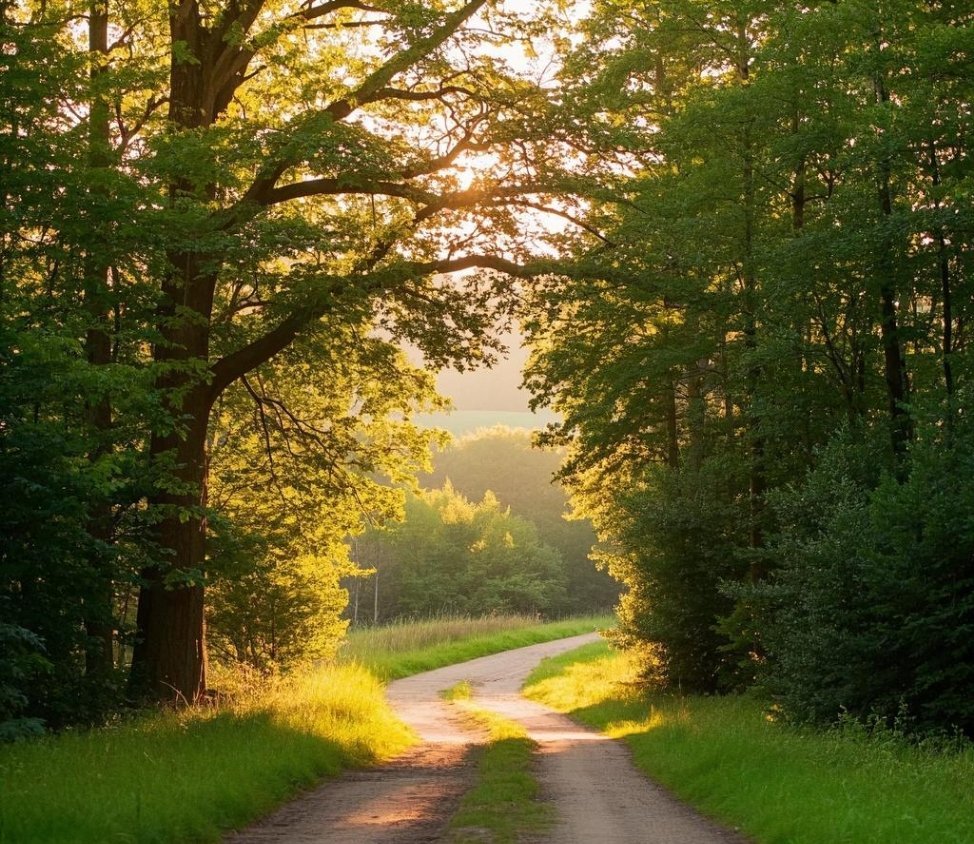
(597, 794)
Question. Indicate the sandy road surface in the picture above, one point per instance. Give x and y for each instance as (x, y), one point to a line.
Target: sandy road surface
(599, 797)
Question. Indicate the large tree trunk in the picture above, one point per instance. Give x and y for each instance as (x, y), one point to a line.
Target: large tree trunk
(169, 659)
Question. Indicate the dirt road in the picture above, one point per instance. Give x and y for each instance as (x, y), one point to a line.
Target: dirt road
(598, 796)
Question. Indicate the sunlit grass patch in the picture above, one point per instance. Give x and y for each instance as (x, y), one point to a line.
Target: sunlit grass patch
(405, 648)
(412, 635)
(191, 775)
(504, 801)
(777, 784)
(185, 776)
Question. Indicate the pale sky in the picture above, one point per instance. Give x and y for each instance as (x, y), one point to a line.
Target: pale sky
(498, 388)
(489, 389)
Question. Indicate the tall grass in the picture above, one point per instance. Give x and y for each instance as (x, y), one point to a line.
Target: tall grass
(777, 784)
(184, 776)
(404, 648)
(190, 776)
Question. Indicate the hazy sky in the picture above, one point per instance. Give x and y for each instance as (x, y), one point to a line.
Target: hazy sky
(498, 388)
(489, 389)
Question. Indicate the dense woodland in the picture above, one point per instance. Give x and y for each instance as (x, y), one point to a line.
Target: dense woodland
(737, 235)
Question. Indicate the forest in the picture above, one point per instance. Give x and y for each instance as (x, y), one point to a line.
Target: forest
(736, 235)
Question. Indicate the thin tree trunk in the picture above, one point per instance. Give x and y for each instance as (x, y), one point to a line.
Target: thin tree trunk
(946, 288)
(696, 414)
(894, 362)
(672, 426)
(757, 483)
(99, 650)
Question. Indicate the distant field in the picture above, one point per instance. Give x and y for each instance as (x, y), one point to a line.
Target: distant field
(461, 422)
(398, 650)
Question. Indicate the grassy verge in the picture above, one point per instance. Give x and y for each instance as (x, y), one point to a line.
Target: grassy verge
(399, 650)
(504, 801)
(776, 783)
(184, 777)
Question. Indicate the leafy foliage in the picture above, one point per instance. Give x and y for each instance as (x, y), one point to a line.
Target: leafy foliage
(218, 221)
(449, 555)
(872, 610)
(299, 456)
(503, 461)
(784, 254)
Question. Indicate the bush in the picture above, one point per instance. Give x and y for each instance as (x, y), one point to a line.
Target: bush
(681, 538)
(873, 609)
(21, 661)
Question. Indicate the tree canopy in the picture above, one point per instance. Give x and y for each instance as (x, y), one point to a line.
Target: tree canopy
(201, 198)
(766, 355)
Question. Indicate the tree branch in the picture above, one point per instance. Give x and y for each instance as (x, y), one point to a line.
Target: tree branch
(237, 364)
(370, 90)
(313, 12)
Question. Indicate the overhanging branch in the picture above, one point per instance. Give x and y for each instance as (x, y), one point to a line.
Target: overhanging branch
(237, 364)
(369, 91)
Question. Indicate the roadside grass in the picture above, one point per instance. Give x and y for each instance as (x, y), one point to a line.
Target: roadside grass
(185, 776)
(190, 776)
(775, 783)
(504, 802)
(401, 649)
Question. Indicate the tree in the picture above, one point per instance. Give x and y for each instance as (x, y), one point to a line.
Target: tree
(301, 453)
(329, 201)
(503, 462)
(449, 555)
(770, 269)
(52, 565)
(254, 208)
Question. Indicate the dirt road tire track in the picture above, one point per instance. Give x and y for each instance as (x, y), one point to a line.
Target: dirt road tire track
(597, 794)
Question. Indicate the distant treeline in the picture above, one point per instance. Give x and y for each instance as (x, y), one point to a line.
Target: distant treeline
(487, 534)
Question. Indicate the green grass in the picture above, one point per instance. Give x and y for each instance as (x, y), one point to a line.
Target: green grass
(187, 776)
(504, 801)
(399, 650)
(776, 783)
(184, 776)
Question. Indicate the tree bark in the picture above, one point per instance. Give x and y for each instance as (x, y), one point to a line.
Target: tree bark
(894, 362)
(672, 426)
(946, 288)
(99, 627)
(169, 658)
